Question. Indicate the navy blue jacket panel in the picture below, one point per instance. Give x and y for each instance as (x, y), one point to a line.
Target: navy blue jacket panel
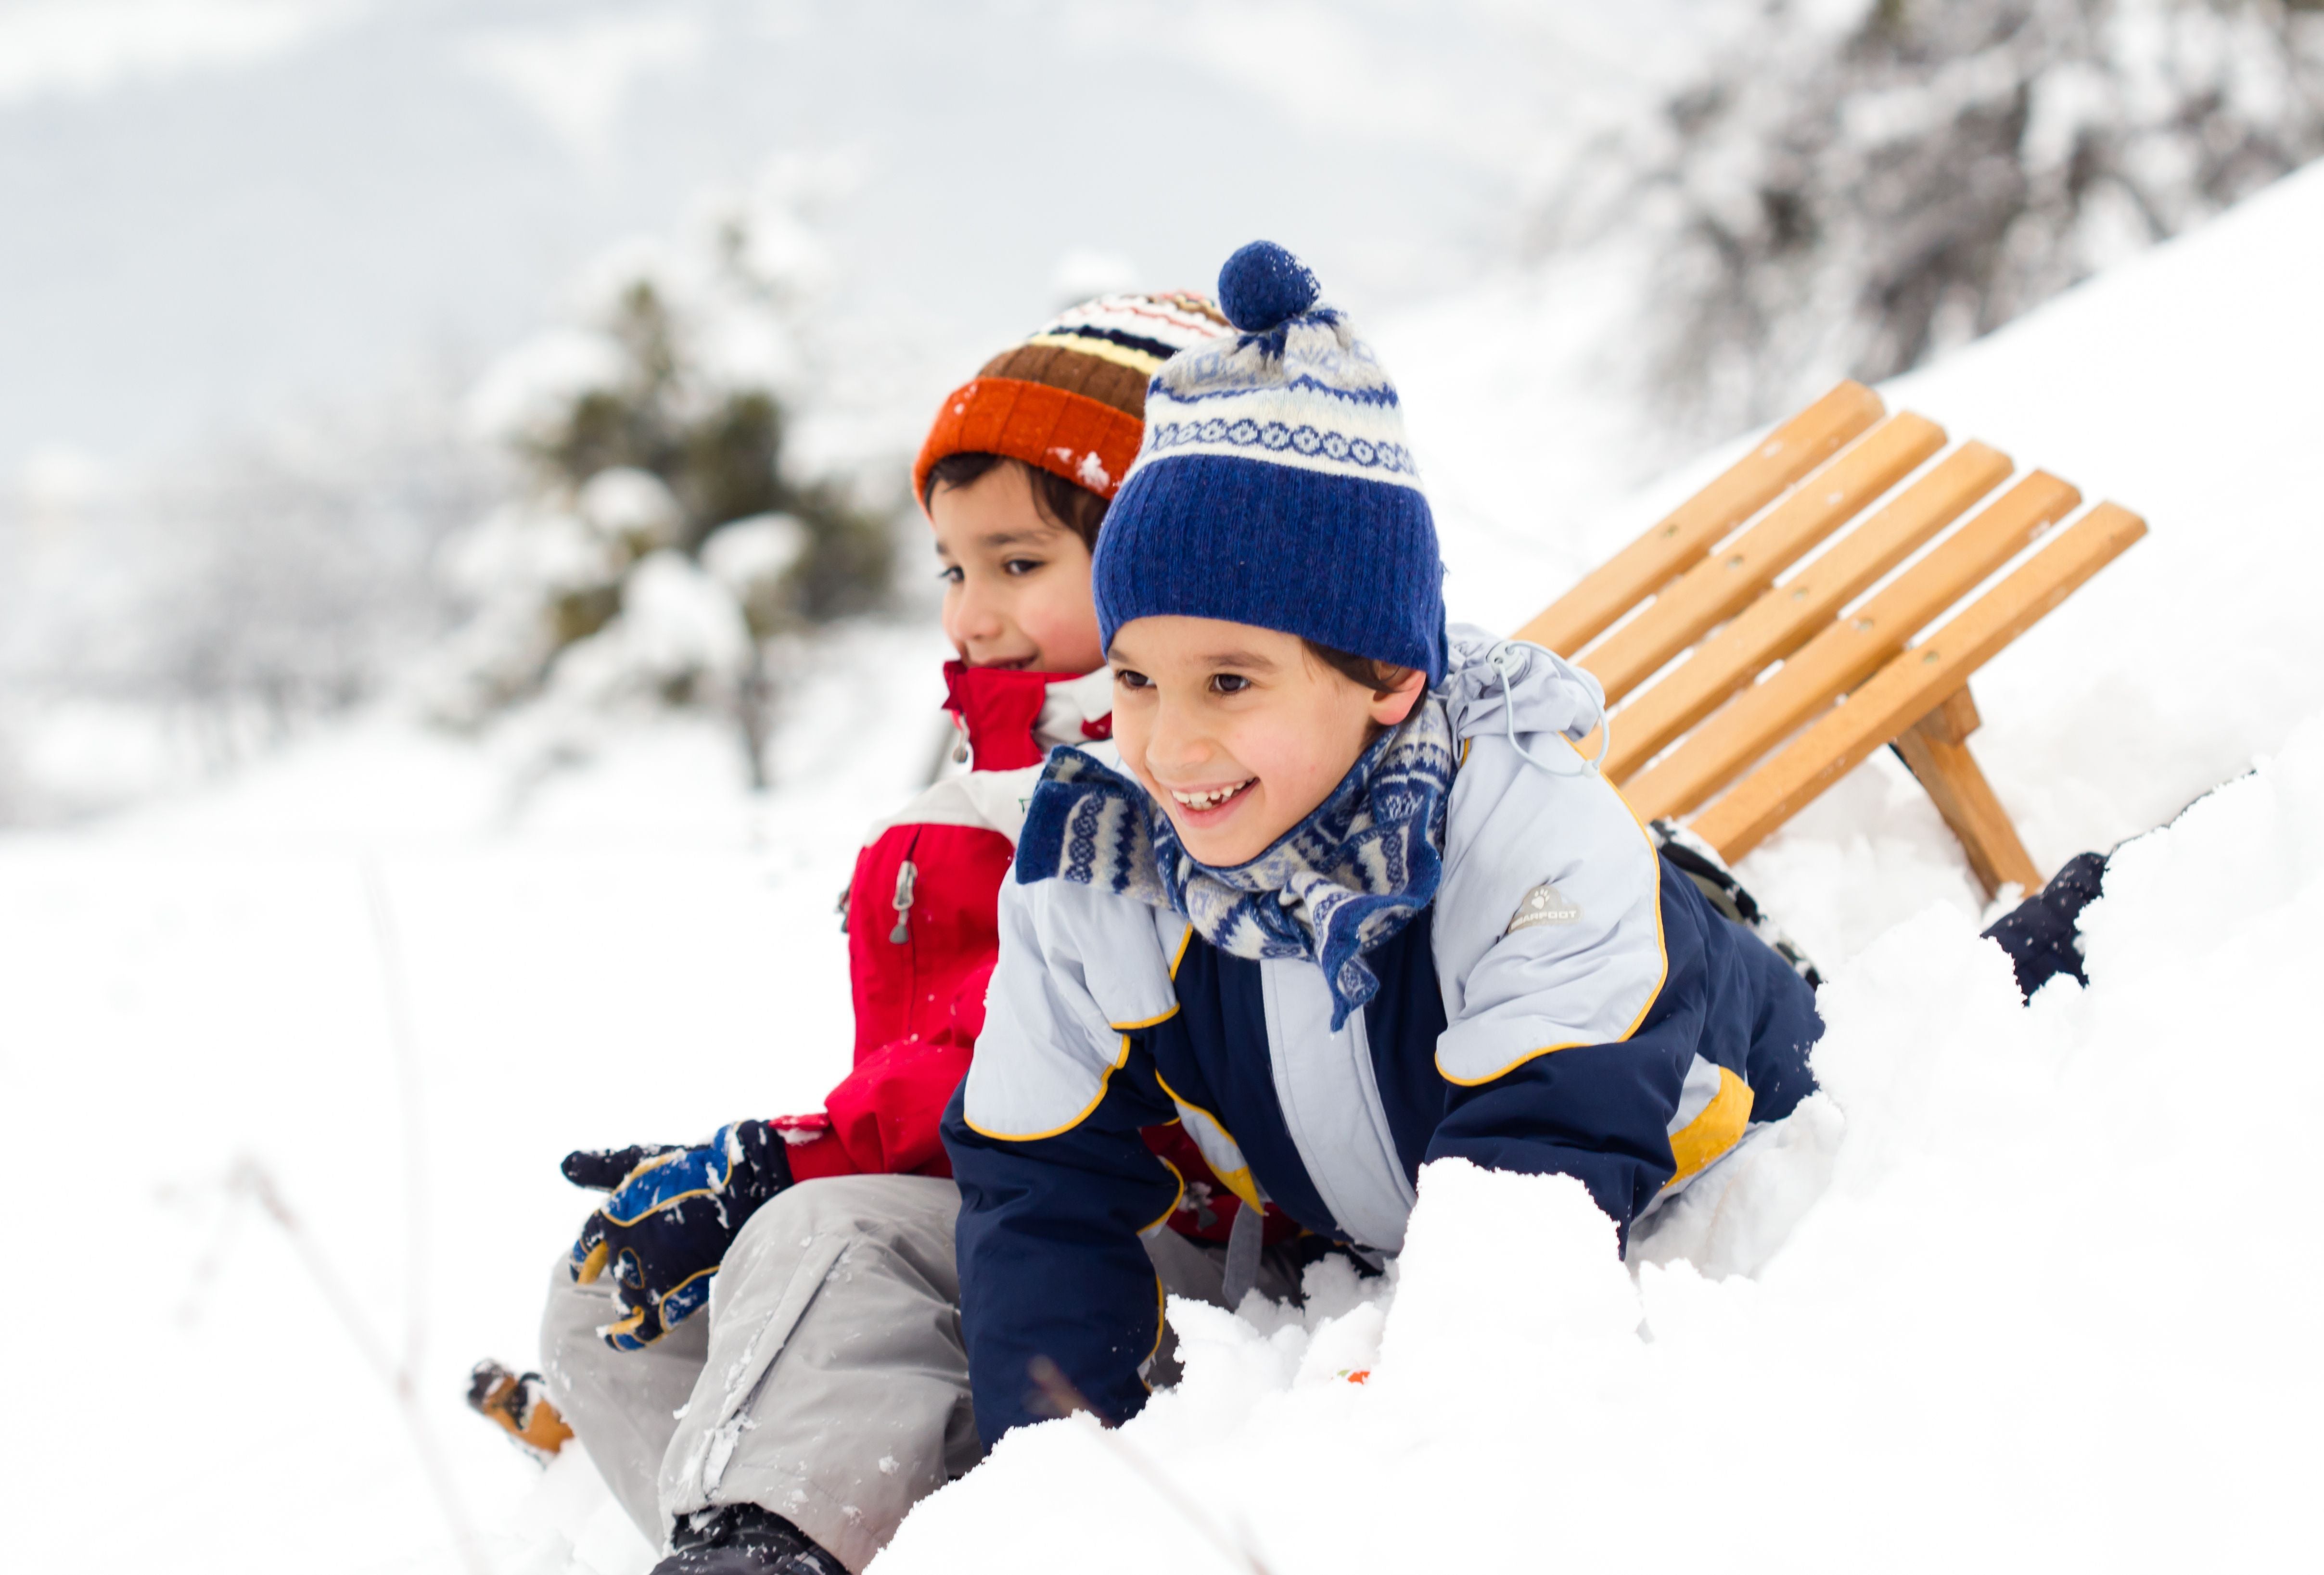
(1050, 1264)
(1064, 1288)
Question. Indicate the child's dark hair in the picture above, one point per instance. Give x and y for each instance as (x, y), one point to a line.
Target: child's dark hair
(1369, 672)
(1061, 502)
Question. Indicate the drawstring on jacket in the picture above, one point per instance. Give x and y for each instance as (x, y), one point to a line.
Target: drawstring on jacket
(1505, 661)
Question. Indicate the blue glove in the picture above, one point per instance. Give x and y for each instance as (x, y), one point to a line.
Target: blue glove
(666, 1225)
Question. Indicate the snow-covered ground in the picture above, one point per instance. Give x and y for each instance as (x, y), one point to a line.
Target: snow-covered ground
(633, 945)
(2028, 1288)
(2040, 1312)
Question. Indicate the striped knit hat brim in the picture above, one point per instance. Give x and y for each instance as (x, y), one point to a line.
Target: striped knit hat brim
(1071, 399)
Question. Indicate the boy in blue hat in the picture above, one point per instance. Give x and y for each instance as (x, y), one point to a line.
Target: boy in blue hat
(1354, 902)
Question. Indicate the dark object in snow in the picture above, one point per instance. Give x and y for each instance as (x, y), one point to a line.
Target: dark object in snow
(664, 1231)
(519, 1404)
(742, 1539)
(2041, 933)
(1700, 862)
(1262, 286)
(604, 1169)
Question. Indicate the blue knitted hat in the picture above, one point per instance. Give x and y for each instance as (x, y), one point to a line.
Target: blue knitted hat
(1274, 487)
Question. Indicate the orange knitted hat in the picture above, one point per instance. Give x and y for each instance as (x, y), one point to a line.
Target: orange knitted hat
(1071, 399)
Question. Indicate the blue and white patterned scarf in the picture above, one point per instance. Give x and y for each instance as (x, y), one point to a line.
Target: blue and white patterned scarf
(1331, 888)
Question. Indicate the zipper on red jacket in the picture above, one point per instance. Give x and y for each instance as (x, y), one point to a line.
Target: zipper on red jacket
(908, 875)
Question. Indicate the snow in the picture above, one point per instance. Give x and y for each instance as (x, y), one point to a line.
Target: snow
(632, 506)
(522, 393)
(676, 625)
(2026, 1285)
(2173, 385)
(625, 945)
(2020, 1288)
(752, 555)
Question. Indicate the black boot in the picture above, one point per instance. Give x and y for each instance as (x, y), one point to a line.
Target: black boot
(742, 1539)
(2041, 933)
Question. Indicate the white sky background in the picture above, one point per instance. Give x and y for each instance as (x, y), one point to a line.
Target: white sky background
(214, 212)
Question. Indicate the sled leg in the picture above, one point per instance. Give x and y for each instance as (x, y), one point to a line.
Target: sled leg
(1936, 747)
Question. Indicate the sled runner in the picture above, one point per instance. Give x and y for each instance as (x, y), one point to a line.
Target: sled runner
(1787, 686)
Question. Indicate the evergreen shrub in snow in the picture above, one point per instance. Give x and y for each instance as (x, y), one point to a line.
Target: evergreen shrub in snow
(668, 541)
(1865, 182)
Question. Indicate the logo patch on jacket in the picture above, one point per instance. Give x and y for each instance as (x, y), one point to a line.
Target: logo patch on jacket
(1544, 905)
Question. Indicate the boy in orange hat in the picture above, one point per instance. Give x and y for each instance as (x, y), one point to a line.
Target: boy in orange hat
(790, 1429)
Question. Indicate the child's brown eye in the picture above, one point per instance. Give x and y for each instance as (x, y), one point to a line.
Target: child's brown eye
(1229, 683)
(1128, 678)
(1021, 565)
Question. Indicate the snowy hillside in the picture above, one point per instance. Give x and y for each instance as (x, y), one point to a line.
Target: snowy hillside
(2011, 1296)
(2037, 1306)
(2020, 1293)
(631, 945)
(2180, 386)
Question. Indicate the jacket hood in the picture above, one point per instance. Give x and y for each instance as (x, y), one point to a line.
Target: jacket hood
(1528, 690)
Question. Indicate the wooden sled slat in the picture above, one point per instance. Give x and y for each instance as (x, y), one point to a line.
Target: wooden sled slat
(1734, 681)
(1847, 652)
(1724, 582)
(1775, 625)
(1914, 682)
(1686, 534)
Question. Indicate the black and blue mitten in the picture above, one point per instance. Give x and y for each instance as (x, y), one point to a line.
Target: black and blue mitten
(669, 1222)
(2043, 933)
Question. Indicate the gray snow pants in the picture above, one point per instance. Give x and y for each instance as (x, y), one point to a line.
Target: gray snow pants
(827, 1380)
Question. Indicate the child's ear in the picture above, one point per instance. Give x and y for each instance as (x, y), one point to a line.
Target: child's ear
(1391, 706)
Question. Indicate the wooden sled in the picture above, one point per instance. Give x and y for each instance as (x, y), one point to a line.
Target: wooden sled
(1788, 683)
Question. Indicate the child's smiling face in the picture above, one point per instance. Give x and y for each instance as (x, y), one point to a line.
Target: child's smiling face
(1016, 584)
(1238, 732)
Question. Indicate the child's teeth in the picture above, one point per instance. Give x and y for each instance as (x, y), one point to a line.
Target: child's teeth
(1211, 800)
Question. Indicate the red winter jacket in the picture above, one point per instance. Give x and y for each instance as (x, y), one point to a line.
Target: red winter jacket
(922, 936)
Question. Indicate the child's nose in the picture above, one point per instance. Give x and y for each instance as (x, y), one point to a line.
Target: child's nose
(977, 617)
(1178, 742)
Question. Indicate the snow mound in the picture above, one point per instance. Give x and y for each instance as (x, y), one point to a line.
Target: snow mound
(2178, 385)
(2022, 1322)
(1986, 1299)
(1983, 1301)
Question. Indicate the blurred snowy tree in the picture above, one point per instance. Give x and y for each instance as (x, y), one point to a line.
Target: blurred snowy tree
(1866, 182)
(668, 542)
(197, 609)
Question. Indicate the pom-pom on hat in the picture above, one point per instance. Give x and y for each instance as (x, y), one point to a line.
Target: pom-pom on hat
(1274, 486)
(1071, 398)
(1262, 286)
